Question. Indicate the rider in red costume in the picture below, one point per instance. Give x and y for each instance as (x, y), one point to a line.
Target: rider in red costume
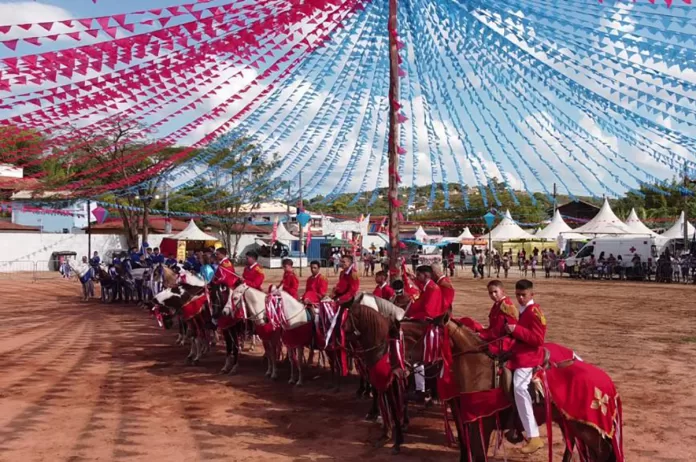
(253, 273)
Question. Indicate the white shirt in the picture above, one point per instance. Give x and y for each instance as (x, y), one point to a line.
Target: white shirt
(523, 308)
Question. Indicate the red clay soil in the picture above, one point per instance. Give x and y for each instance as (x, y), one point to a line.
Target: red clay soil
(86, 382)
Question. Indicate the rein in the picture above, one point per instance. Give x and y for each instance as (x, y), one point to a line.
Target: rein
(480, 348)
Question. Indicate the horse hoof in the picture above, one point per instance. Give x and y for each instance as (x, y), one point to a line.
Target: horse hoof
(233, 370)
(268, 374)
(291, 382)
(360, 392)
(395, 450)
(370, 417)
(195, 362)
(224, 371)
(299, 384)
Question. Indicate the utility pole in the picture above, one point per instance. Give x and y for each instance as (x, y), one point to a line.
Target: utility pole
(167, 220)
(393, 191)
(555, 202)
(300, 209)
(89, 231)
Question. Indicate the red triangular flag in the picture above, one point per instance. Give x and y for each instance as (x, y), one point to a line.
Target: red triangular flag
(75, 35)
(111, 31)
(5, 29)
(86, 23)
(103, 22)
(33, 41)
(120, 19)
(46, 25)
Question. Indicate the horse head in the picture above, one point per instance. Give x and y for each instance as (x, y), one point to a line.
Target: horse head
(365, 326)
(253, 300)
(219, 297)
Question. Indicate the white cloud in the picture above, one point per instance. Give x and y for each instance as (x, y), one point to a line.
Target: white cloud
(33, 12)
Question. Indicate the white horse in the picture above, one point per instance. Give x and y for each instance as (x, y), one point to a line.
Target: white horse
(297, 333)
(254, 302)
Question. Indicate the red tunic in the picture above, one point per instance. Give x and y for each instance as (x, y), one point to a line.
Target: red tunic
(384, 291)
(502, 311)
(348, 285)
(528, 350)
(290, 283)
(429, 304)
(447, 292)
(225, 274)
(316, 288)
(253, 276)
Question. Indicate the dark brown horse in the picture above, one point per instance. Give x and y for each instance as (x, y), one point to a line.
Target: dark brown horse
(474, 370)
(368, 340)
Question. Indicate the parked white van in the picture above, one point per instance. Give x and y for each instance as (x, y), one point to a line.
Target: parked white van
(627, 246)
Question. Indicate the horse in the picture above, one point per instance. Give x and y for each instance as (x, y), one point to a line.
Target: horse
(253, 303)
(474, 370)
(232, 327)
(188, 303)
(370, 327)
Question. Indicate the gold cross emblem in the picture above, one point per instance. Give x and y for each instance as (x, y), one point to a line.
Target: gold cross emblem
(600, 401)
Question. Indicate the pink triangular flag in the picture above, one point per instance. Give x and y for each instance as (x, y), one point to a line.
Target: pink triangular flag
(103, 22)
(46, 25)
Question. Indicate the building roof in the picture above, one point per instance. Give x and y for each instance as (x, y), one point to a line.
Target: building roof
(9, 226)
(157, 225)
(18, 184)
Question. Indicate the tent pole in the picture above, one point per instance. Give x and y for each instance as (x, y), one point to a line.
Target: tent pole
(393, 191)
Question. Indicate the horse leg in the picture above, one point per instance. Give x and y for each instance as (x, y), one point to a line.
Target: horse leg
(267, 354)
(373, 413)
(236, 337)
(300, 358)
(292, 357)
(228, 349)
(395, 408)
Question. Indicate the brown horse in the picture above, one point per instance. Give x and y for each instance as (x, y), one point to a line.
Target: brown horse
(368, 339)
(474, 370)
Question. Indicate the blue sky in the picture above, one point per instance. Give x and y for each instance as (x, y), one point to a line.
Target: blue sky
(475, 128)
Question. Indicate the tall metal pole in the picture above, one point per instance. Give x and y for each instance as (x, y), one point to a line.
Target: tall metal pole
(299, 210)
(393, 191)
(555, 202)
(167, 220)
(89, 231)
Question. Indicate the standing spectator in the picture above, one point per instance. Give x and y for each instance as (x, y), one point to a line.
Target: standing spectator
(450, 263)
(462, 258)
(497, 262)
(336, 259)
(474, 264)
(414, 261)
(373, 258)
(481, 262)
(506, 262)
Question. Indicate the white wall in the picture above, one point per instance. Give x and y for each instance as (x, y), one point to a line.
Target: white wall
(38, 247)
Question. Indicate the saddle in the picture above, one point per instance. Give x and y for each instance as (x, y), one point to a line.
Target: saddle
(503, 376)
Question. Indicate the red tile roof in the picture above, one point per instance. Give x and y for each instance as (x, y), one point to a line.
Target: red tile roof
(9, 226)
(19, 184)
(157, 224)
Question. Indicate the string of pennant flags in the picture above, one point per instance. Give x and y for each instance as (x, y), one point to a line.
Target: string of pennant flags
(590, 95)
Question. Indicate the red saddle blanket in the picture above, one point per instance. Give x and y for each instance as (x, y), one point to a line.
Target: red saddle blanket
(585, 393)
(298, 336)
(193, 307)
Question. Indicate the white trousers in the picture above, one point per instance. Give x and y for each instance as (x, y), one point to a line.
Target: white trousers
(420, 377)
(523, 400)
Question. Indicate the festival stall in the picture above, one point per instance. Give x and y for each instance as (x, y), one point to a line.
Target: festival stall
(677, 229)
(605, 222)
(282, 235)
(559, 232)
(191, 238)
(638, 226)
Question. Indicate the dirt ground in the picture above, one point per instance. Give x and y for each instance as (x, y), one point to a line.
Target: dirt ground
(87, 382)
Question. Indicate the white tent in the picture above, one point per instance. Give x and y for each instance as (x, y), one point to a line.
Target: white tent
(605, 222)
(193, 233)
(677, 229)
(466, 234)
(282, 234)
(556, 227)
(420, 234)
(638, 226)
(507, 230)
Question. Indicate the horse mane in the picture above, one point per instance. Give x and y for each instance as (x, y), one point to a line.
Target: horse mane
(373, 327)
(462, 337)
(385, 307)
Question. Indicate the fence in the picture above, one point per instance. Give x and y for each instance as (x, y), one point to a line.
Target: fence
(29, 270)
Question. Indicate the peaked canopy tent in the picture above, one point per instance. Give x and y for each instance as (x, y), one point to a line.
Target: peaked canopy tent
(677, 229)
(638, 226)
(507, 230)
(193, 233)
(191, 238)
(466, 234)
(420, 234)
(556, 227)
(282, 234)
(605, 222)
